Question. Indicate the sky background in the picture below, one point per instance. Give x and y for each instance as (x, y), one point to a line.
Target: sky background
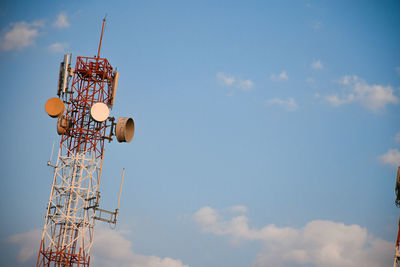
(266, 131)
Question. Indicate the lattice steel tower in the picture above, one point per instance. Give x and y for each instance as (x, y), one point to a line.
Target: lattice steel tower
(397, 249)
(85, 96)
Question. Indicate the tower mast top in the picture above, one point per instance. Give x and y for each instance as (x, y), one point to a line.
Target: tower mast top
(101, 37)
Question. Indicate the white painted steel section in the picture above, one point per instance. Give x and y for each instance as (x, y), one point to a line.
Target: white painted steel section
(72, 204)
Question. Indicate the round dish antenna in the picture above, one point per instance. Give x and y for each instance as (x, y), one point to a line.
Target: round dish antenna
(99, 112)
(125, 129)
(54, 107)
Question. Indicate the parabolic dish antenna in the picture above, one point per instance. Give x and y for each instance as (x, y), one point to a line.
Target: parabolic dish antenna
(125, 129)
(99, 112)
(54, 107)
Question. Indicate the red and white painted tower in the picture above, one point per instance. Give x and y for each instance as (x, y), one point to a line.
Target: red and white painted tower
(397, 249)
(85, 96)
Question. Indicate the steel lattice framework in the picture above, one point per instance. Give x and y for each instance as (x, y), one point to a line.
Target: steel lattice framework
(91, 84)
(68, 233)
(397, 249)
(71, 212)
(397, 202)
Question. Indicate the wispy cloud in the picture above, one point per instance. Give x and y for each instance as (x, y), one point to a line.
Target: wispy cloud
(317, 65)
(27, 243)
(58, 47)
(233, 82)
(246, 85)
(334, 100)
(279, 77)
(19, 35)
(318, 243)
(374, 97)
(289, 104)
(225, 79)
(61, 21)
(111, 248)
(391, 157)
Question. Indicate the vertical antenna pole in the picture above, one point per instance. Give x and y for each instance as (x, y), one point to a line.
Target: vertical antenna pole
(120, 189)
(101, 37)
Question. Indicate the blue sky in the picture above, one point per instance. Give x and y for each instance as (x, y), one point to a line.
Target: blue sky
(266, 131)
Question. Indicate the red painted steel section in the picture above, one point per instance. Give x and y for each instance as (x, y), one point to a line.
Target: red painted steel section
(398, 236)
(91, 83)
(58, 256)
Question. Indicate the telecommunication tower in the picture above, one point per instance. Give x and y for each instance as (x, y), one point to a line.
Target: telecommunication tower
(85, 96)
(397, 249)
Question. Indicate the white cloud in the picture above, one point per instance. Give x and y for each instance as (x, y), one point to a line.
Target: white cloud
(231, 81)
(279, 77)
(225, 79)
(334, 100)
(392, 157)
(246, 85)
(319, 243)
(19, 35)
(58, 47)
(210, 221)
(61, 21)
(289, 104)
(374, 97)
(28, 243)
(317, 65)
(110, 248)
